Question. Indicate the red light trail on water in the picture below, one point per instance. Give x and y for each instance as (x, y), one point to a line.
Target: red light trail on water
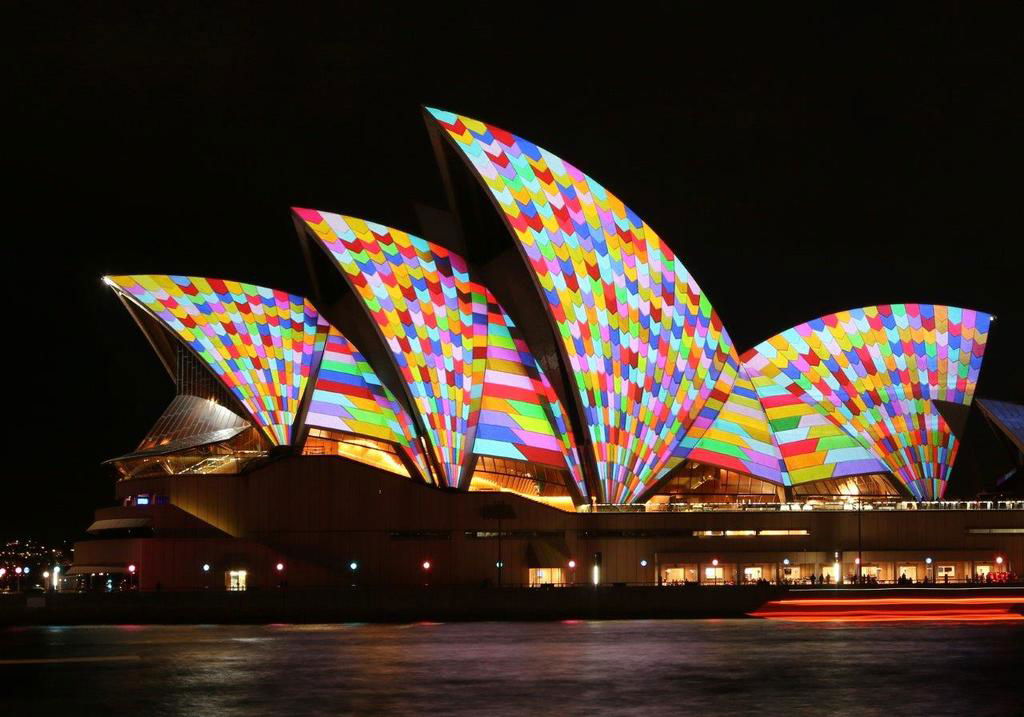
(892, 609)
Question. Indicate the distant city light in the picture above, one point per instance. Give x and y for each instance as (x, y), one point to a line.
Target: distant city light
(3, 571)
(26, 570)
(18, 571)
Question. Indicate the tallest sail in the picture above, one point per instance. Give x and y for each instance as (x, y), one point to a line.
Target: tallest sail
(641, 341)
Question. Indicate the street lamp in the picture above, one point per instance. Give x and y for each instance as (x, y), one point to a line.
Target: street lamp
(280, 567)
(353, 566)
(206, 567)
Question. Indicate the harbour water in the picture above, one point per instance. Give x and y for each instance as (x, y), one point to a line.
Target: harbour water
(735, 667)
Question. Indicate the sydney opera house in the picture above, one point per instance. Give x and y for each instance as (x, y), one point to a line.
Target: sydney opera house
(540, 394)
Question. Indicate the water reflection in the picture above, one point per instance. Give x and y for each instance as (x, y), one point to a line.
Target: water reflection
(572, 667)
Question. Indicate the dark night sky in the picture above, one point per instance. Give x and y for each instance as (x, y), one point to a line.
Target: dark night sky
(799, 165)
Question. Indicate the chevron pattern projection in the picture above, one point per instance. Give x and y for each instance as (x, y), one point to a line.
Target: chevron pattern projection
(876, 370)
(475, 384)
(261, 343)
(644, 347)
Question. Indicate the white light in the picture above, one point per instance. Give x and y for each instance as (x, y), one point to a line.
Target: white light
(353, 565)
(856, 561)
(107, 281)
(206, 567)
(18, 571)
(131, 568)
(426, 565)
(597, 575)
(27, 570)
(46, 573)
(3, 571)
(835, 572)
(280, 567)
(999, 561)
(785, 561)
(56, 570)
(928, 561)
(643, 563)
(715, 562)
(499, 564)
(572, 564)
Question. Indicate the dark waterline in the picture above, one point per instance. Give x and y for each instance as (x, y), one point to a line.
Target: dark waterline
(574, 668)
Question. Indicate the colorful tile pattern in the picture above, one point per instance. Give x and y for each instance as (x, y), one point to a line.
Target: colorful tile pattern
(348, 396)
(875, 372)
(521, 417)
(740, 437)
(644, 347)
(456, 349)
(260, 342)
(812, 446)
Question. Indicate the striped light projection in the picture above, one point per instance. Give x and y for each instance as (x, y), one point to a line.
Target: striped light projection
(261, 343)
(348, 396)
(876, 370)
(740, 438)
(473, 381)
(521, 417)
(642, 342)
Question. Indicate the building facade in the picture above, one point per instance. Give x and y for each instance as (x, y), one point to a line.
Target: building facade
(577, 381)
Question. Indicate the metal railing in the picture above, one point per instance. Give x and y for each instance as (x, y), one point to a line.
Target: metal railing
(813, 505)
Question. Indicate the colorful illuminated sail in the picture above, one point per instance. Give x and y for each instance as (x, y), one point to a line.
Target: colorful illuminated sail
(348, 396)
(644, 346)
(261, 343)
(471, 377)
(876, 370)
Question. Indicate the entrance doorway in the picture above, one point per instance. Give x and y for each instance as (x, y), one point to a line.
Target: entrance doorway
(679, 574)
(235, 579)
(714, 574)
(545, 576)
(910, 571)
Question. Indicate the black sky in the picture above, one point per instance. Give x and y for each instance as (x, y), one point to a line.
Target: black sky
(799, 164)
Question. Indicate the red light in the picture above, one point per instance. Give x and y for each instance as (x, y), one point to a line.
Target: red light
(426, 565)
(280, 567)
(131, 568)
